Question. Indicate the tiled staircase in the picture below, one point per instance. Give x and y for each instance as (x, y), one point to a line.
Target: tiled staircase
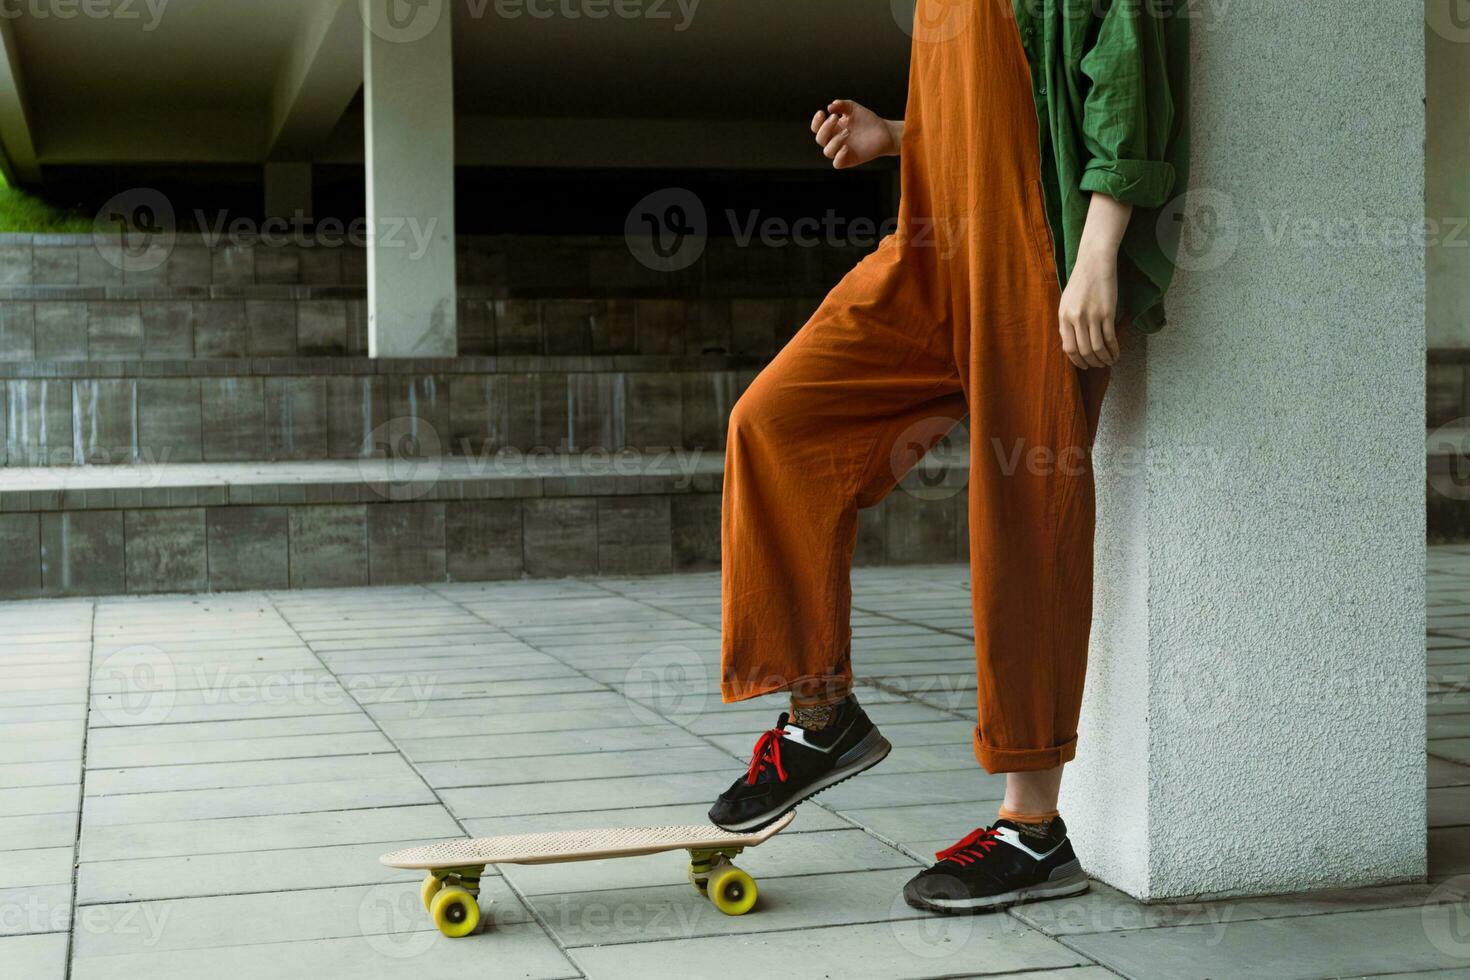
(214, 423)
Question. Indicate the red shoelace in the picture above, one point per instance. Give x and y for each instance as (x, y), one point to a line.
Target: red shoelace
(767, 749)
(971, 848)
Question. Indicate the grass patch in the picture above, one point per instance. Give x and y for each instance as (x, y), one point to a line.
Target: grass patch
(22, 212)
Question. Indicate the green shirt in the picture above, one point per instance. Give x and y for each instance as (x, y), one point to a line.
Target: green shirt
(1111, 83)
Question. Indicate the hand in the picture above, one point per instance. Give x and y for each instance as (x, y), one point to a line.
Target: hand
(1089, 310)
(851, 135)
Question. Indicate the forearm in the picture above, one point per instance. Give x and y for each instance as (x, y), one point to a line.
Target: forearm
(895, 132)
(1102, 233)
(1089, 310)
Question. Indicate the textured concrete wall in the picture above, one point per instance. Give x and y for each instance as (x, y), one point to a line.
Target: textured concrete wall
(1258, 653)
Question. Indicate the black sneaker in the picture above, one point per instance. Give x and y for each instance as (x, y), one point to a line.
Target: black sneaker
(790, 764)
(995, 867)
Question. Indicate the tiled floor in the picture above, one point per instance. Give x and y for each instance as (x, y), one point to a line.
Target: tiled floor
(249, 756)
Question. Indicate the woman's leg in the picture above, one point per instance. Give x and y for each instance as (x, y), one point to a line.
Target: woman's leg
(1032, 794)
(809, 443)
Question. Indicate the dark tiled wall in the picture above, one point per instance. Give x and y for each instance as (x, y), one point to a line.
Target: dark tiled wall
(283, 545)
(276, 413)
(318, 321)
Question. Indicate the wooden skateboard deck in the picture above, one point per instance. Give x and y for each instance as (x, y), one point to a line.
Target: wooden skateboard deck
(454, 867)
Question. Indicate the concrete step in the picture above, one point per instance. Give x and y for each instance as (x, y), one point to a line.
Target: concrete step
(523, 264)
(175, 322)
(158, 412)
(198, 527)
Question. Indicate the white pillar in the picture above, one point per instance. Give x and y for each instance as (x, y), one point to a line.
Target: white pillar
(408, 95)
(288, 191)
(1254, 720)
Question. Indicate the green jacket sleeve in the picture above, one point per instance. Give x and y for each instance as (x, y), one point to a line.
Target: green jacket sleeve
(1128, 113)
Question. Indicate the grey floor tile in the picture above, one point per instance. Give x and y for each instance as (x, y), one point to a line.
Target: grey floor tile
(229, 834)
(677, 911)
(38, 866)
(239, 872)
(475, 728)
(229, 730)
(326, 912)
(898, 949)
(1104, 909)
(35, 957)
(274, 772)
(408, 953)
(24, 774)
(222, 750)
(416, 692)
(252, 801)
(38, 830)
(450, 748)
(30, 800)
(41, 750)
(1341, 944)
(34, 909)
(591, 767)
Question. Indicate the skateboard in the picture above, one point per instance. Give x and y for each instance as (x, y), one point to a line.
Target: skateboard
(451, 887)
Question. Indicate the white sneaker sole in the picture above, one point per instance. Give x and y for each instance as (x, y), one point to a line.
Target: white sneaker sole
(992, 903)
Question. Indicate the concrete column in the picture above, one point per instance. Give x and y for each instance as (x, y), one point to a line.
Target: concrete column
(288, 191)
(408, 95)
(1254, 720)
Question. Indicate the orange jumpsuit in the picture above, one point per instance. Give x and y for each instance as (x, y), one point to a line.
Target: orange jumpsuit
(954, 315)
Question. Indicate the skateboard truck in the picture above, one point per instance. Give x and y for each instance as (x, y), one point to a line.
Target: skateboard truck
(731, 889)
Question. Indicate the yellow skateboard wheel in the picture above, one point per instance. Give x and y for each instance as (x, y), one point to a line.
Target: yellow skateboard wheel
(732, 890)
(429, 889)
(455, 911)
